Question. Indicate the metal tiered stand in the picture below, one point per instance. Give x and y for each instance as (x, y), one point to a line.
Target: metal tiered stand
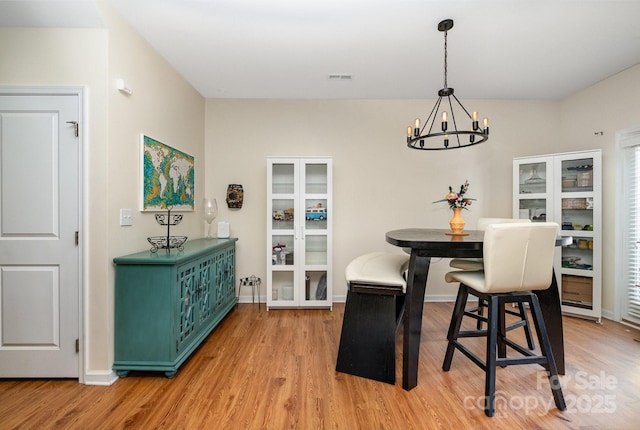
(167, 242)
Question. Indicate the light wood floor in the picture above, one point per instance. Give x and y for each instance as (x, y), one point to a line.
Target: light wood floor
(276, 370)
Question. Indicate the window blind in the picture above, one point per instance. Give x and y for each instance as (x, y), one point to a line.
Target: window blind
(630, 143)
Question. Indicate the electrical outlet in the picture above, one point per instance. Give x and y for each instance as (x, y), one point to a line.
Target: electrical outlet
(126, 217)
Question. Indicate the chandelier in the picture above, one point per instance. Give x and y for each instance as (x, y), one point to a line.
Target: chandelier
(447, 135)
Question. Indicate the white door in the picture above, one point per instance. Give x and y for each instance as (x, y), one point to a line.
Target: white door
(39, 257)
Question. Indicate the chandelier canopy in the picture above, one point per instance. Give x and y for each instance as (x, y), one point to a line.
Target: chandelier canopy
(447, 136)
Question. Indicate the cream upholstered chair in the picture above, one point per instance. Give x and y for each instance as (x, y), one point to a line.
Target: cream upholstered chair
(372, 314)
(478, 264)
(518, 259)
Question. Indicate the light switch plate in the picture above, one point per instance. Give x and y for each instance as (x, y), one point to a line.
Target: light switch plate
(126, 217)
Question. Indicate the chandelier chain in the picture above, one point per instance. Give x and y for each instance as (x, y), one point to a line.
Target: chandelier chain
(445, 60)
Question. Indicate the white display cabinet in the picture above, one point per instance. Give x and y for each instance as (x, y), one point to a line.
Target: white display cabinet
(567, 189)
(299, 232)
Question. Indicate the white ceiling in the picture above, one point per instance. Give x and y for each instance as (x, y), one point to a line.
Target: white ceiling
(498, 49)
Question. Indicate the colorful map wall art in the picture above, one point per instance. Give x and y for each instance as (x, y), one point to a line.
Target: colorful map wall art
(168, 177)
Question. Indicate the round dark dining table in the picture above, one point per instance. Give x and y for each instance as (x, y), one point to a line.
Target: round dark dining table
(425, 243)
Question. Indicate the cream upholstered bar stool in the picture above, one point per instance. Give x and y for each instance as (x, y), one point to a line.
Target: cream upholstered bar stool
(372, 314)
(478, 264)
(518, 260)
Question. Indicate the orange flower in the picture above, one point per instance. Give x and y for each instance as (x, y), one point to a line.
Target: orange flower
(457, 200)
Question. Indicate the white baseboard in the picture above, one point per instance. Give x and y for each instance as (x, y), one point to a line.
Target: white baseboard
(608, 314)
(100, 377)
(249, 299)
(343, 299)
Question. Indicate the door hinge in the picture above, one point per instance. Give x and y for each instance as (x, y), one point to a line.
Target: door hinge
(77, 345)
(76, 126)
(77, 238)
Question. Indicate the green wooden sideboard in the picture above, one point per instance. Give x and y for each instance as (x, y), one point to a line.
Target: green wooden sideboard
(166, 304)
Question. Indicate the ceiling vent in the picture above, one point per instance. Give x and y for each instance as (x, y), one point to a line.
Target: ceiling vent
(340, 77)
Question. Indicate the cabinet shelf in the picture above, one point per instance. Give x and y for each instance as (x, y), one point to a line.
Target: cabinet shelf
(532, 195)
(576, 234)
(283, 189)
(285, 231)
(282, 267)
(532, 189)
(576, 271)
(577, 189)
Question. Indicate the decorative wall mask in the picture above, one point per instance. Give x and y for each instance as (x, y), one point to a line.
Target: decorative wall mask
(235, 196)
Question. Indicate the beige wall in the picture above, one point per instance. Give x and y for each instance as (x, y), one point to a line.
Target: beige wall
(379, 184)
(608, 106)
(374, 169)
(162, 105)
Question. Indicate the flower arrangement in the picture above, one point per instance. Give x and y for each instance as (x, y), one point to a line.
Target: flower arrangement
(457, 200)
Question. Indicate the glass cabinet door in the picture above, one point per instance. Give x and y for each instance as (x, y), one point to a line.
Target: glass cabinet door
(316, 230)
(282, 231)
(577, 175)
(316, 178)
(533, 179)
(283, 178)
(577, 208)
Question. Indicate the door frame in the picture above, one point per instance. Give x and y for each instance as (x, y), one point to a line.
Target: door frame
(621, 278)
(81, 93)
